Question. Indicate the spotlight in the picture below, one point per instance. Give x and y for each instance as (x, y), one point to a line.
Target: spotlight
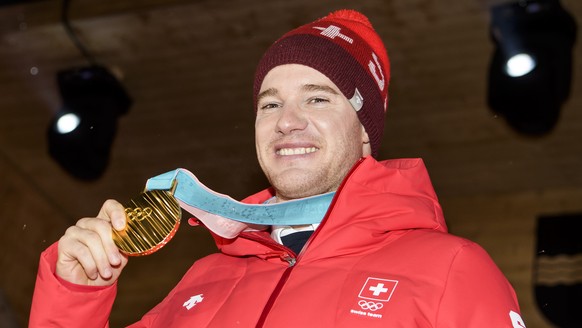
(81, 135)
(67, 122)
(520, 65)
(531, 69)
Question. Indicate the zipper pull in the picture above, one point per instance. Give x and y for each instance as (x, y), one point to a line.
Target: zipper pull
(289, 259)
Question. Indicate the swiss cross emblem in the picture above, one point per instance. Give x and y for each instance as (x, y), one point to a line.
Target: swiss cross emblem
(378, 289)
(332, 32)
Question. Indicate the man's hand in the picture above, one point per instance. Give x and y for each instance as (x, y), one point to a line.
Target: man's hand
(87, 254)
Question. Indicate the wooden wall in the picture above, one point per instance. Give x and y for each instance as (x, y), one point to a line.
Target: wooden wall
(31, 222)
(505, 225)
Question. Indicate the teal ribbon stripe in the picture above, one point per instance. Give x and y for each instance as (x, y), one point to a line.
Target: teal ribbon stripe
(191, 191)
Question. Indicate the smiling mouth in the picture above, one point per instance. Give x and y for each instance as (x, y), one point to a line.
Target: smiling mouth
(296, 151)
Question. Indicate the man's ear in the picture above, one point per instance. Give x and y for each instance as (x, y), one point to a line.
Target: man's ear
(366, 148)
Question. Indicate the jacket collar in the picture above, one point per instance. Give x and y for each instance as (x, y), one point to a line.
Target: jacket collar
(374, 199)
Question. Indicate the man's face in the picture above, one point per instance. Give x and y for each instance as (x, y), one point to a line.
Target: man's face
(307, 134)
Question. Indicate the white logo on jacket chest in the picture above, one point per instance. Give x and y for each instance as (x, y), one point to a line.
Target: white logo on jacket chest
(373, 295)
(378, 289)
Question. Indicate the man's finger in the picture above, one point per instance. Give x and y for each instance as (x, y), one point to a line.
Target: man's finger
(86, 247)
(102, 230)
(114, 212)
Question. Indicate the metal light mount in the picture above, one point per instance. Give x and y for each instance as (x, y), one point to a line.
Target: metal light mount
(81, 135)
(542, 33)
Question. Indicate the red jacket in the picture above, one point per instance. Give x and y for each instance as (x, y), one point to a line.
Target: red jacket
(382, 257)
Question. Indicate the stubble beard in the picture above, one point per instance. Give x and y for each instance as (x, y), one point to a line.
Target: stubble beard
(301, 183)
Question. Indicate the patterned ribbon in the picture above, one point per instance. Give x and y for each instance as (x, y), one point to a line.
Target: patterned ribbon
(227, 217)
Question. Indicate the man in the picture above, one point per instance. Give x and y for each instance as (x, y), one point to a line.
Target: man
(380, 257)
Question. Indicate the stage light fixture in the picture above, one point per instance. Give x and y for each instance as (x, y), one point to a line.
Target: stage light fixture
(81, 135)
(530, 71)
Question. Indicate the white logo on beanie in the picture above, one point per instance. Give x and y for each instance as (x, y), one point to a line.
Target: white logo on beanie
(332, 32)
(381, 81)
(357, 100)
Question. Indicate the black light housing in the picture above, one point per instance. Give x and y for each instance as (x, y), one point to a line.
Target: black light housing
(546, 32)
(96, 99)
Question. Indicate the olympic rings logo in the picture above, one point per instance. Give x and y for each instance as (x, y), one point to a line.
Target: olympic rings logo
(370, 305)
(139, 214)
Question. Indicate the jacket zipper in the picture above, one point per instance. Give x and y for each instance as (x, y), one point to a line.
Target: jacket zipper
(289, 256)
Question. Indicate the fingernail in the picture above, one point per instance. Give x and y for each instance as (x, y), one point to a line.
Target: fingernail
(107, 273)
(119, 223)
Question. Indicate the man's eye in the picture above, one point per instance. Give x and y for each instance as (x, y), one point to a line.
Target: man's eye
(316, 100)
(269, 106)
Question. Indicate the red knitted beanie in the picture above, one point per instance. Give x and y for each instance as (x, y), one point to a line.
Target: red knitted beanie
(344, 47)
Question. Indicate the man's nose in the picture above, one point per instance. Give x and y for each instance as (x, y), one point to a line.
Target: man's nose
(292, 118)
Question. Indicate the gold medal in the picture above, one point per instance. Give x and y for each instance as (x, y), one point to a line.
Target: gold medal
(152, 220)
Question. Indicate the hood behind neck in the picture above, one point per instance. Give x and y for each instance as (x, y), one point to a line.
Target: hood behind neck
(376, 197)
(392, 194)
(401, 187)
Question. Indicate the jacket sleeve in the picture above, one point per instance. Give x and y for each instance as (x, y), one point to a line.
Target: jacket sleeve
(58, 303)
(477, 294)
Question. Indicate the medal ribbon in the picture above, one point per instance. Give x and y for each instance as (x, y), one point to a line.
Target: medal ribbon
(227, 217)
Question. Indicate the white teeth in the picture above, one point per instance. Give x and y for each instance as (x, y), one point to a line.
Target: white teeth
(295, 151)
